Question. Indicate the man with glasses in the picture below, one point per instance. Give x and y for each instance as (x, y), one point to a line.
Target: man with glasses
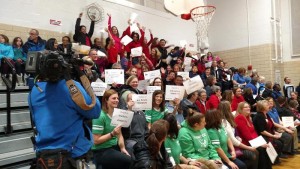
(34, 42)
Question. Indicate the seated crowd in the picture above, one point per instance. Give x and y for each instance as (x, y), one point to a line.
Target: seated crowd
(207, 128)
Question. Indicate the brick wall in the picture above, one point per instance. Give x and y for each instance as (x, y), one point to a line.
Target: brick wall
(261, 59)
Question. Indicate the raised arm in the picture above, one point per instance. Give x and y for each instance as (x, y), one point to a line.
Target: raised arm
(92, 26)
(109, 22)
(77, 25)
(151, 38)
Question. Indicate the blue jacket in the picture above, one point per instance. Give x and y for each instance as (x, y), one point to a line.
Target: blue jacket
(6, 51)
(30, 45)
(59, 121)
(252, 87)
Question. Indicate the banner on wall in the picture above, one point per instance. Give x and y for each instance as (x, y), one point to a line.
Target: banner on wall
(55, 22)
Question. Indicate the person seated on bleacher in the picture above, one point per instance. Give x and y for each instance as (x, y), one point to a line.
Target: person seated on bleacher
(287, 133)
(276, 91)
(51, 45)
(252, 85)
(81, 36)
(159, 156)
(214, 99)
(210, 82)
(19, 59)
(34, 42)
(205, 75)
(246, 132)
(6, 50)
(248, 96)
(264, 126)
(159, 110)
(109, 148)
(130, 86)
(173, 147)
(237, 98)
(220, 140)
(188, 104)
(268, 92)
(239, 78)
(66, 46)
(195, 142)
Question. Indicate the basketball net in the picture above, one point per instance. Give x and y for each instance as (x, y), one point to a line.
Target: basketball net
(202, 16)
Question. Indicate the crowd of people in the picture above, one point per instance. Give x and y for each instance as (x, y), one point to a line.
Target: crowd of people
(208, 128)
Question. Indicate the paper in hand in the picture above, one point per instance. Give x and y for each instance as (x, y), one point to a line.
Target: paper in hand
(138, 51)
(133, 16)
(126, 40)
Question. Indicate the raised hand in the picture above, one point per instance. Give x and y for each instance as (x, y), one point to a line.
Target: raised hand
(80, 15)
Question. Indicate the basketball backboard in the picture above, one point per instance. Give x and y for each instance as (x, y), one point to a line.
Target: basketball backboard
(178, 7)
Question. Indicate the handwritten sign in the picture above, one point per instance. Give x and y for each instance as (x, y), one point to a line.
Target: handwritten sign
(114, 76)
(208, 64)
(187, 61)
(142, 102)
(99, 88)
(151, 89)
(288, 121)
(258, 141)
(193, 84)
(143, 85)
(152, 74)
(271, 152)
(173, 92)
(185, 75)
(121, 117)
(138, 51)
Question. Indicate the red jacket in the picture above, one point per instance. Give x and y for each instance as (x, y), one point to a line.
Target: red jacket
(202, 107)
(212, 102)
(235, 102)
(245, 129)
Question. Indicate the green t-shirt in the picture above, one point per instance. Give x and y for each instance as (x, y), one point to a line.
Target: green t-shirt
(219, 139)
(153, 115)
(173, 148)
(196, 144)
(102, 126)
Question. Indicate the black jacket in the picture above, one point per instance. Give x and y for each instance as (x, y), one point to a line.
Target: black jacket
(161, 162)
(79, 36)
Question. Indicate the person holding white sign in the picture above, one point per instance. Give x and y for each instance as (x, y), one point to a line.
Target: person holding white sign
(130, 87)
(246, 153)
(288, 133)
(142, 61)
(158, 108)
(109, 142)
(264, 126)
(246, 132)
(136, 132)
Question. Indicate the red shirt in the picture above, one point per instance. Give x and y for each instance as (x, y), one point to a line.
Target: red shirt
(245, 129)
(236, 101)
(87, 41)
(112, 54)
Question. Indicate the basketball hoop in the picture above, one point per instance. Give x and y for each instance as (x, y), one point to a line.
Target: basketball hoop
(202, 16)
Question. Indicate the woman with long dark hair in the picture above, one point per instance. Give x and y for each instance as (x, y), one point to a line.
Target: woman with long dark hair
(158, 134)
(220, 140)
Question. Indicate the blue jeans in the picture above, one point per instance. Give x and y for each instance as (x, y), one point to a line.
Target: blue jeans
(237, 162)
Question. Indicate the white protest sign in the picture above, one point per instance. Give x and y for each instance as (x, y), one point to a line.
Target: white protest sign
(193, 84)
(185, 75)
(100, 53)
(208, 64)
(99, 88)
(257, 142)
(152, 74)
(133, 27)
(183, 43)
(143, 85)
(138, 51)
(121, 117)
(173, 92)
(151, 89)
(142, 102)
(288, 121)
(195, 57)
(133, 16)
(271, 152)
(114, 76)
(125, 40)
(187, 68)
(187, 61)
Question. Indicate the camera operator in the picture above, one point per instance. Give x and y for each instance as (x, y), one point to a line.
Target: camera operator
(62, 137)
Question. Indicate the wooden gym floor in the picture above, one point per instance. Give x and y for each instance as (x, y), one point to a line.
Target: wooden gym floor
(292, 162)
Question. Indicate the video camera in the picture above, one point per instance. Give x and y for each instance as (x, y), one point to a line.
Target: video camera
(52, 66)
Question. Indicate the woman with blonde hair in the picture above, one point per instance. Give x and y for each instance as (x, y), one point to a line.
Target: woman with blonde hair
(246, 153)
